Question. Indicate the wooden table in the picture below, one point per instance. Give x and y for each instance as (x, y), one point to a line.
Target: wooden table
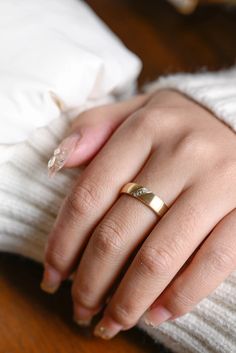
(33, 322)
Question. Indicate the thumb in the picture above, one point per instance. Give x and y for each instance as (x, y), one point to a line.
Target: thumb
(90, 131)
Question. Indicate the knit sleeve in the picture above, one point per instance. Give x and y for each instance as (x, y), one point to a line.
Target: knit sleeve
(214, 90)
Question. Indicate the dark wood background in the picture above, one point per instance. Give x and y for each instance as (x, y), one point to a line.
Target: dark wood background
(33, 322)
(168, 42)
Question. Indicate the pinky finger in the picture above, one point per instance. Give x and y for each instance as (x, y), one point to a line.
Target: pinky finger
(210, 266)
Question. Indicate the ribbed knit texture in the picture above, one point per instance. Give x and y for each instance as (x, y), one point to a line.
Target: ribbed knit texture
(30, 202)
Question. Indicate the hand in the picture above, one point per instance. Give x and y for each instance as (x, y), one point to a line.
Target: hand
(186, 156)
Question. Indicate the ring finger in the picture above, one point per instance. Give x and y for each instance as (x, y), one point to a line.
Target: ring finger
(120, 233)
(170, 244)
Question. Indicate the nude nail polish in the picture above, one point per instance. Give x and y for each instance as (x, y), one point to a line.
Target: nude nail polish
(107, 329)
(62, 153)
(83, 323)
(185, 6)
(51, 280)
(82, 316)
(157, 315)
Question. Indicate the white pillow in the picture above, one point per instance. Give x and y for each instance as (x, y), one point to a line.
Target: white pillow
(59, 46)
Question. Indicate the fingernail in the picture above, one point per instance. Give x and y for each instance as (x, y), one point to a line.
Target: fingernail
(51, 280)
(82, 316)
(84, 323)
(58, 101)
(62, 153)
(185, 6)
(156, 316)
(107, 328)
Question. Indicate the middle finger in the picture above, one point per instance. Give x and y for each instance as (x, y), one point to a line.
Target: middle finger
(119, 234)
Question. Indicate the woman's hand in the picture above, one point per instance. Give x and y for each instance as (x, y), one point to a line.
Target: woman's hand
(182, 153)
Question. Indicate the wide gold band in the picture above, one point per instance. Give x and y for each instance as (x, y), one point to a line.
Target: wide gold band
(146, 196)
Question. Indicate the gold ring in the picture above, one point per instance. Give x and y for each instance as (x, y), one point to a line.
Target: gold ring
(145, 196)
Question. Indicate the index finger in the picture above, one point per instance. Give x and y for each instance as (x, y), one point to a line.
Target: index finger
(90, 198)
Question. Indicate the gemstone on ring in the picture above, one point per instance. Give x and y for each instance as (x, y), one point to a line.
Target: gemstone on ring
(140, 191)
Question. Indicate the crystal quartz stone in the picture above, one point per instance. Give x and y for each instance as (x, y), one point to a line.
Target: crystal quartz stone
(51, 162)
(140, 191)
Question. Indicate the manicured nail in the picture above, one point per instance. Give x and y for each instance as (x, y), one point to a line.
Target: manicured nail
(156, 316)
(107, 328)
(185, 6)
(51, 280)
(84, 323)
(59, 102)
(62, 153)
(82, 316)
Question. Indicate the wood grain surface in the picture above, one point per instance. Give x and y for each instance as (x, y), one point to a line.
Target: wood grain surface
(167, 42)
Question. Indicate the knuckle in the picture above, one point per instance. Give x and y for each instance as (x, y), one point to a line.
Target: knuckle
(168, 117)
(83, 198)
(195, 145)
(154, 262)
(57, 258)
(148, 120)
(107, 238)
(82, 294)
(220, 259)
(226, 169)
(148, 116)
(123, 314)
(181, 301)
(143, 121)
(165, 117)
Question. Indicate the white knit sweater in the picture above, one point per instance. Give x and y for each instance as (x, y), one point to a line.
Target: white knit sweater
(30, 201)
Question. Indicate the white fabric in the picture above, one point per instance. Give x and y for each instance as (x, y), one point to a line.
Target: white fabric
(59, 46)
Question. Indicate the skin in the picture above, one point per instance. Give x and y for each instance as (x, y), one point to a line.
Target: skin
(127, 259)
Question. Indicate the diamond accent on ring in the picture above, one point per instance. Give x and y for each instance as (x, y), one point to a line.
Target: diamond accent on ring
(140, 192)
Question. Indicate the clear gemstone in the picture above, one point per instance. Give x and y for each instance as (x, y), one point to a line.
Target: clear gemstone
(57, 151)
(51, 162)
(140, 192)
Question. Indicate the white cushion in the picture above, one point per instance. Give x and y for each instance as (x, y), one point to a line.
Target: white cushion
(59, 46)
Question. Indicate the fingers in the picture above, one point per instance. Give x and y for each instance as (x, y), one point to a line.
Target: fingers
(119, 234)
(213, 262)
(91, 197)
(161, 256)
(90, 131)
